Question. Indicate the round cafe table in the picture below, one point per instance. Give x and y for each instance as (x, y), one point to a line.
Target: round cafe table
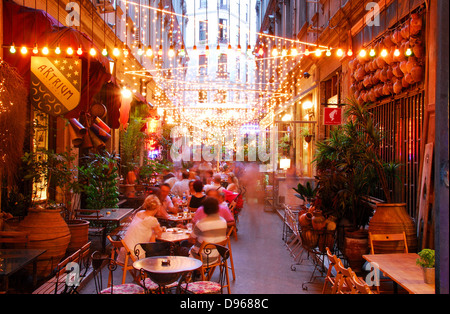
(164, 270)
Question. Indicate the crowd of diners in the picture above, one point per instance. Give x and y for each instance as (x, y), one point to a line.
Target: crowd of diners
(200, 190)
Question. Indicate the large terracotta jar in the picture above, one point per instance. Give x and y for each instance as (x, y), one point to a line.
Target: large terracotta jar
(310, 238)
(393, 218)
(356, 244)
(304, 221)
(79, 234)
(48, 231)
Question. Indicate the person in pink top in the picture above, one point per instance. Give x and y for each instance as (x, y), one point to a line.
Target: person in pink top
(224, 211)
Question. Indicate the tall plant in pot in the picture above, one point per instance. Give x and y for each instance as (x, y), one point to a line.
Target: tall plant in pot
(389, 217)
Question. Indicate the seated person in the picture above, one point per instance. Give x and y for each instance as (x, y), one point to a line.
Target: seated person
(196, 199)
(212, 228)
(181, 187)
(143, 228)
(166, 202)
(224, 211)
(216, 184)
(233, 185)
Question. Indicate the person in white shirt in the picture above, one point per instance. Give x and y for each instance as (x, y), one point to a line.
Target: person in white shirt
(182, 186)
(216, 184)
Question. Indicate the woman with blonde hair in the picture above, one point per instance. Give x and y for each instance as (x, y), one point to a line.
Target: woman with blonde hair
(144, 227)
(233, 183)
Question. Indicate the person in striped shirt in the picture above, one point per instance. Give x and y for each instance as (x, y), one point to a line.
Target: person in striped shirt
(211, 228)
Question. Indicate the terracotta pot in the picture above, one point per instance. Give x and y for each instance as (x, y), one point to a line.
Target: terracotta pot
(310, 238)
(326, 239)
(304, 221)
(50, 232)
(79, 234)
(393, 218)
(356, 244)
(318, 220)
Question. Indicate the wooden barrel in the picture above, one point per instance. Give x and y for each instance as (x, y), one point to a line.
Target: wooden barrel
(79, 234)
(50, 232)
(393, 218)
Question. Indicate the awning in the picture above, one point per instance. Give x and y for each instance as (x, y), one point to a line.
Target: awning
(27, 26)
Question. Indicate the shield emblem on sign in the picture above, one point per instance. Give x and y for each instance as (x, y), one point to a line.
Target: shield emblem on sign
(55, 84)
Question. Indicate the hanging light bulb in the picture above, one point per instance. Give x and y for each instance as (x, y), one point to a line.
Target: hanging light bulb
(397, 52)
(92, 51)
(104, 52)
(350, 53)
(171, 52)
(35, 49)
(79, 51)
(261, 51)
(194, 48)
(409, 52)
(69, 51)
(229, 47)
(294, 51)
(340, 52)
(384, 53)
(239, 48)
(116, 52)
(12, 49)
(307, 51)
(207, 50)
(318, 52)
(218, 47)
(328, 54)
(284, 51)
(125, 52)
(363, 53)
(23, 50)
(58, 50)
(372, 53)
(160, 51)
(140, 51)
(182, 51)
(275, 52)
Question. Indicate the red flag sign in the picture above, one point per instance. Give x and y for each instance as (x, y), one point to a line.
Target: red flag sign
(332, 116)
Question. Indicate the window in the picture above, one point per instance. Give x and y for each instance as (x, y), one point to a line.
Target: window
(202, 30)
(203, 4)
(223, 66)
(223, 29)
(202, 65)
(223, 4)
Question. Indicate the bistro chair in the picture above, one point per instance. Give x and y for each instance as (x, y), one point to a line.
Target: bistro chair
(343, 283)
(399, 238)
(329, 277)
(208, 286)
(127, 288)
(154, 249)
(231, 254)
(14, 239)
(361, 286)
(126, 265)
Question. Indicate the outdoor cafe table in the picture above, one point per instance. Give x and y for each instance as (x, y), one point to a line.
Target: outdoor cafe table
(174, 235)
(402, 269)
(108, 216)
(13, 260)
(164, 270)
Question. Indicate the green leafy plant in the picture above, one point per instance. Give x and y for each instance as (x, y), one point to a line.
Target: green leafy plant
(304, 131)
(426, 258)
(151, 169)
(305, 192)
(98, 177)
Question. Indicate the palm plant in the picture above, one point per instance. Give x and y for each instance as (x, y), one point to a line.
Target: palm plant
(305, 192)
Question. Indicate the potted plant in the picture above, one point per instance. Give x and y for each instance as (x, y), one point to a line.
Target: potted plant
(426, 261)
(49, 173)
(285, 144)
(304, 131)
(306, 193)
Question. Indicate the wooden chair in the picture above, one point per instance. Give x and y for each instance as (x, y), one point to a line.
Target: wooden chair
(127, 288)
(126, 265)
(329, 277)
(343, 282)
(361, 286)
(231, 254)
(14, 239)
(208, 286)
(395, 237)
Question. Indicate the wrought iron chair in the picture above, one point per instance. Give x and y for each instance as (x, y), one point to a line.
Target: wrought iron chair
(211, 261)
(97, 262)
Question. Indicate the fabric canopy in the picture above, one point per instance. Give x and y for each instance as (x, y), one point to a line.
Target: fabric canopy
(27, 26)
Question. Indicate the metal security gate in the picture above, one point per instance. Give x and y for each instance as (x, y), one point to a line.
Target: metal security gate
(402, 121)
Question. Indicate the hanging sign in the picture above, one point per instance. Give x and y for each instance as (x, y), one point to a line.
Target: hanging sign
(55, 84)
(332, 116)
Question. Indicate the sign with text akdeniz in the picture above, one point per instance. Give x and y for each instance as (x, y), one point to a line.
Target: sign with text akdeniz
(332, 116)
(55, 84)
